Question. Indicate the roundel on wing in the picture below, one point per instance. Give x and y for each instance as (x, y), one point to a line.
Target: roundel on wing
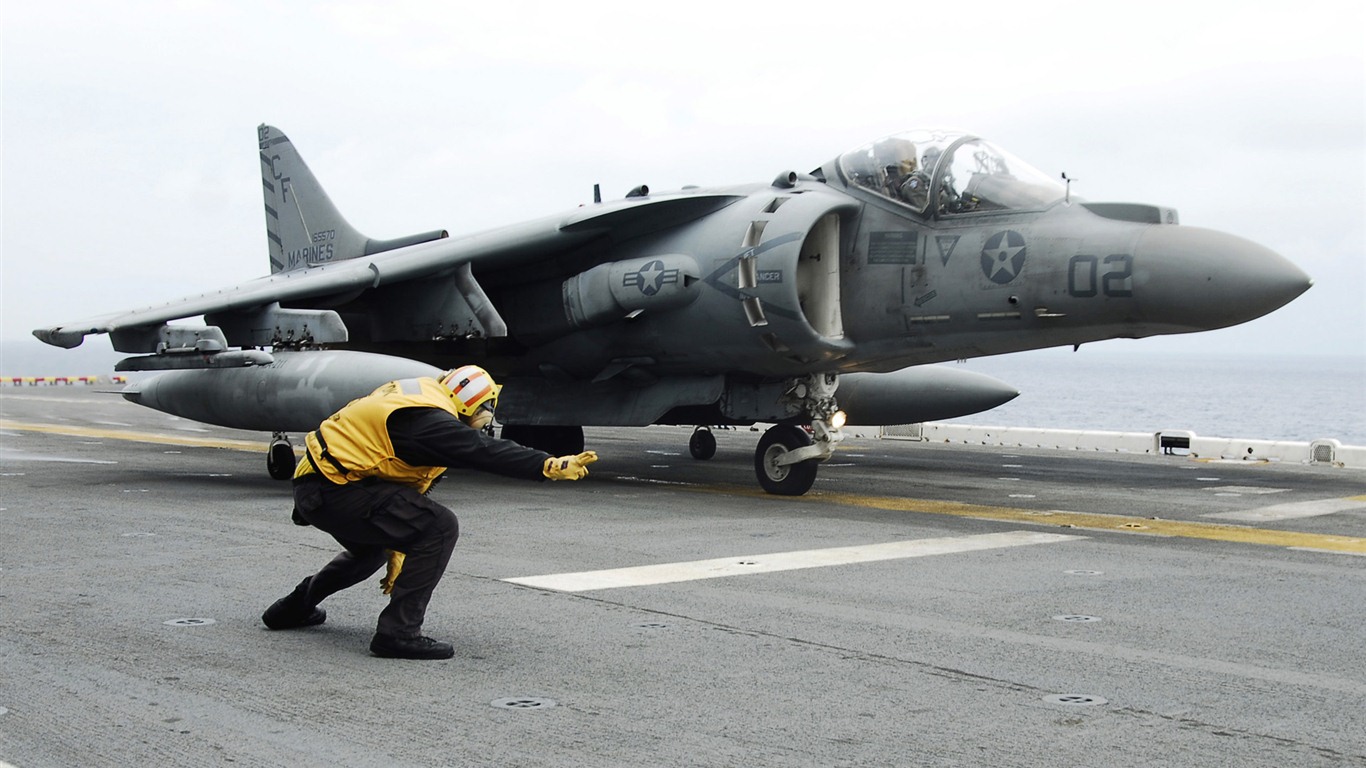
(1003, 256)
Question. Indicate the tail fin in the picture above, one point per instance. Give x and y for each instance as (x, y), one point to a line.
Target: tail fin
(303, 227)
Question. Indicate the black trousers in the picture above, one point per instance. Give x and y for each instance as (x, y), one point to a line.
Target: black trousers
(366, 519)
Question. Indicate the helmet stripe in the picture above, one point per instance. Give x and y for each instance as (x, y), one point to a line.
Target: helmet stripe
(470, 394)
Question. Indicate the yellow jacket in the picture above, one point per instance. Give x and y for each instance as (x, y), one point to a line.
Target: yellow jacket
(353, 444)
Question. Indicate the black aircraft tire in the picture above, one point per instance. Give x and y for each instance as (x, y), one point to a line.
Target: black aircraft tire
(702, 444)
(793, 479)
(280, 461)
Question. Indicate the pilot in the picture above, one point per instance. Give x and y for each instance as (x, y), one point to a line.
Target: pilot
(902, 178)
(365, 481)
(914, 189)
(896, 159)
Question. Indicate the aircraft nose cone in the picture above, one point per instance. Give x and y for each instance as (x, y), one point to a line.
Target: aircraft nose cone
(1201, 279)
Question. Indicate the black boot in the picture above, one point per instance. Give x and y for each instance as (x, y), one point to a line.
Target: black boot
(389, 647)
(293, 610)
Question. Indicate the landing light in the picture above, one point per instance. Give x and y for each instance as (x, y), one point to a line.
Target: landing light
(837, 419)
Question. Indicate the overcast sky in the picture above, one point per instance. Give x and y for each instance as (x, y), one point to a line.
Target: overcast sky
(131, 174)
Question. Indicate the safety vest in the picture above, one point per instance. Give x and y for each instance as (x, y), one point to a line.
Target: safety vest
(353, 444)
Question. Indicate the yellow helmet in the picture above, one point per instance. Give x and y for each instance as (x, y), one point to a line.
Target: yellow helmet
(471, 388)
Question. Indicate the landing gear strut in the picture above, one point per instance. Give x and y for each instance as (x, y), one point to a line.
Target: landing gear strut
(280, 461)
(787, 457)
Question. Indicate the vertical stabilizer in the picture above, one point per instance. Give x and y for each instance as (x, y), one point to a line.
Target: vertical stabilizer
(302, 225)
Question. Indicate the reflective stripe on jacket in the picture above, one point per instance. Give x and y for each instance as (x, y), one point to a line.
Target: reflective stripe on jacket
(354, 443)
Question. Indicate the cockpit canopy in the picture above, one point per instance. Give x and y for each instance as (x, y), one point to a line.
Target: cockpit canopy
(944, 173)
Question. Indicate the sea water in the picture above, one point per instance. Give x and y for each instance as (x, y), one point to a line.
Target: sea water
(1263, 397)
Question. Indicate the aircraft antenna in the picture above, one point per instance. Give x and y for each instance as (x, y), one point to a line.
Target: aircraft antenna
(597, 193)
(1067, 196)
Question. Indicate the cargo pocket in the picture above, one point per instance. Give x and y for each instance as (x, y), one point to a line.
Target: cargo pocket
(401, 512)
(308, 497)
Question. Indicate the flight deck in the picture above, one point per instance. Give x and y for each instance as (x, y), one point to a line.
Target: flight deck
(923, 604)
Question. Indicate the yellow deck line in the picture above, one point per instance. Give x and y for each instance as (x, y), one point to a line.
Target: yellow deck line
(1082, 520)
(137, 437)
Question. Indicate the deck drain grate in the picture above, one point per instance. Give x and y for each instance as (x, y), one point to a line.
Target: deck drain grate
(189, 622)
(1075, 700)
(1077, 618)
(651, 625)
(523, 702)
(1083, 573)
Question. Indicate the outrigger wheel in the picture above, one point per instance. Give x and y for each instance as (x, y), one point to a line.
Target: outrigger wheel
(702, 444)
(280, 461)
(784, 479)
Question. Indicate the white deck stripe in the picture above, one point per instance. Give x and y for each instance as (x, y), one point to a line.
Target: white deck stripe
(668, 573)
(1291, 510)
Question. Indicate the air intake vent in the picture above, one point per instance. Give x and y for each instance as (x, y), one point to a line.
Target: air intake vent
(1322, 452)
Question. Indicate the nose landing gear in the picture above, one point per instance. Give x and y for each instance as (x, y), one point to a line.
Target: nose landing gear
(776, 470)
(787, 457)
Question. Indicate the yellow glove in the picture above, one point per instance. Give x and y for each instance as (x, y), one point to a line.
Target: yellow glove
(391, 572)
(569, 467)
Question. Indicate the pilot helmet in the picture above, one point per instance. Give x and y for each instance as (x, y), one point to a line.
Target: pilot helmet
(473, 391)
(896, 155)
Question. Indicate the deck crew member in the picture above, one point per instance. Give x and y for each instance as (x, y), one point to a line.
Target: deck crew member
(368, 469)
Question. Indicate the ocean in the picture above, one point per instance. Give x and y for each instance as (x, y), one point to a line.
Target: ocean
(1300, 398)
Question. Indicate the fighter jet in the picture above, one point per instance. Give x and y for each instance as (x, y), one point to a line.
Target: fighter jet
(809, 302)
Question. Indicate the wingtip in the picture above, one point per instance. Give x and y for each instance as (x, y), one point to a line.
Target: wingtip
(60, 337)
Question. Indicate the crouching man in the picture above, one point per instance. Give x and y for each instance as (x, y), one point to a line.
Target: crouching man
(368, 469)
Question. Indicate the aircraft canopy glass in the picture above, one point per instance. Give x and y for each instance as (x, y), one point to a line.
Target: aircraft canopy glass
(948, 173)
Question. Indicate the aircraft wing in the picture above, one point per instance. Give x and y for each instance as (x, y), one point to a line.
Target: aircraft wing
(505, 248)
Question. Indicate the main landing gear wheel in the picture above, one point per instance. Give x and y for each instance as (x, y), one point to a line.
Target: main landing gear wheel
(280, 461)
(702, 444)
(789, 479)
